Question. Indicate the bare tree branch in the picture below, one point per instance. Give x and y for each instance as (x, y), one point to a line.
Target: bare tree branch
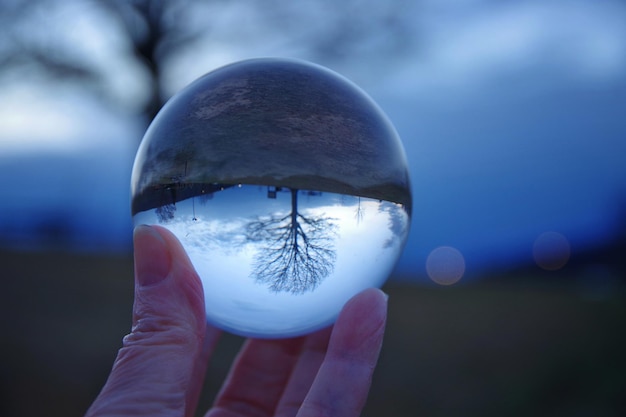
(296, 252)
(157, 30)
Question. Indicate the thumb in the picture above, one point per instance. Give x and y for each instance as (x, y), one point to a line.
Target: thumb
(160, 368)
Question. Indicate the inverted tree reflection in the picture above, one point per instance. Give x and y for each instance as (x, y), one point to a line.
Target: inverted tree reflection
(296, 253)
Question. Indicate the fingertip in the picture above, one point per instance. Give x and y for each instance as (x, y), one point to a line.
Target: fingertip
(372, 301)
(161, 259)
(375, 294)
(175, 247)
(152, 258)
(361, 323)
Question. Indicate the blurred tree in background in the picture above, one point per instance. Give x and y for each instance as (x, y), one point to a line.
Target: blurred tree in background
(130, 53)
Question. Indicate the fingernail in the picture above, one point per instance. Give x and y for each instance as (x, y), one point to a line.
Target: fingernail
(152, 258)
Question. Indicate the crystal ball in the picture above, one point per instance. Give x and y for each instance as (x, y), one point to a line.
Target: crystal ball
(287, 186)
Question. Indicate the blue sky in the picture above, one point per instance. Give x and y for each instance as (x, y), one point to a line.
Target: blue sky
(511, 114)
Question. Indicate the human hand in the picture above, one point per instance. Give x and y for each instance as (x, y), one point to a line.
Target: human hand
(159, 370)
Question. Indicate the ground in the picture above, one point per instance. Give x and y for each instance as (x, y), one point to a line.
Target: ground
(506, 346)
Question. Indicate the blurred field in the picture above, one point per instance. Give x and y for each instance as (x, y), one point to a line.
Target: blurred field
(506, 347)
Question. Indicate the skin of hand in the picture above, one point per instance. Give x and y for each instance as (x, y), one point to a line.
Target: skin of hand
(159, 370)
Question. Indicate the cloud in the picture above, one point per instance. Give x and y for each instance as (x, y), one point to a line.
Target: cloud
(469, 47)
(22, 128)
(42, 118)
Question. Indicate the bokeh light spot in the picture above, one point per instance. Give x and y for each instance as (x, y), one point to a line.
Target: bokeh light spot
(551, 251)
(445, 265)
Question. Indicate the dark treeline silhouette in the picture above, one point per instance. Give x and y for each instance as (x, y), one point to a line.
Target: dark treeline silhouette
(166, 212)
(171, 193)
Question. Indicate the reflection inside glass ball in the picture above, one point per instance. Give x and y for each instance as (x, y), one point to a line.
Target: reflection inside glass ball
(287, 186)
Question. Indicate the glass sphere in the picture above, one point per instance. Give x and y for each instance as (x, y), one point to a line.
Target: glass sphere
(287, 186)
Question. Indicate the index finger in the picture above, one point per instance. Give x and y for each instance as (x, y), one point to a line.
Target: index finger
(343, 381)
